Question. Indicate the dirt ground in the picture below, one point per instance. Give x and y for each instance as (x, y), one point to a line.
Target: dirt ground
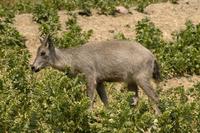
(166, 16)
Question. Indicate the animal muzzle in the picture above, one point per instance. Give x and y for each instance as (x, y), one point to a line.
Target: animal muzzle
(34, 69)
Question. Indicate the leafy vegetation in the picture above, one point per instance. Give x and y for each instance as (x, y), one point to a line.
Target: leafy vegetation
(106, 7)
(47, 16)
(52, 102)
(74, 35)
(178, 57)
(6, 14)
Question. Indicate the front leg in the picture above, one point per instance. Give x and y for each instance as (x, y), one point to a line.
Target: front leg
(91, 86)
(134, 88)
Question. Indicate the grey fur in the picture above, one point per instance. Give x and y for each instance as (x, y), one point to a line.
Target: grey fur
(112, 61)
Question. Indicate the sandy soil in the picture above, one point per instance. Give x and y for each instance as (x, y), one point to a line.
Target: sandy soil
(172, 17)
(30, 30)
(166, 16)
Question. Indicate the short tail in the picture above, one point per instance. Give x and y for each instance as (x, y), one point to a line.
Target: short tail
(156, 72)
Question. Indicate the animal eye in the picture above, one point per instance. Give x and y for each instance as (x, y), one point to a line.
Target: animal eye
(42, 53)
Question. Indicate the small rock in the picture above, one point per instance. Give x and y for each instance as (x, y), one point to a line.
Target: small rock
(122, 10)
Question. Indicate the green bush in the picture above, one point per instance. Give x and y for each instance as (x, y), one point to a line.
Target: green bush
(149, 35)
(181, 110)
(9, 36)
(15, 79)
(45, 14)
(6, 14)
(106, 7)
(24, 6)
(188, 44)
(142, 4)
(63, 104)
(50, 101)
(74, 36)
(178, 57)
(29, 104)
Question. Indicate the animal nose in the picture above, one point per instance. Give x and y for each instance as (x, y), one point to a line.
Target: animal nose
(32, 68)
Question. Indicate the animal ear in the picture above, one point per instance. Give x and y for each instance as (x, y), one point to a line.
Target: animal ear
(47, 41)
(41, 40)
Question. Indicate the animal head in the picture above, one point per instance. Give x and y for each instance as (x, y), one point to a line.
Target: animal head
(44, 55)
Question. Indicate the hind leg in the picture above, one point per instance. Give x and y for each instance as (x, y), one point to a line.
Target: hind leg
(102, 93)
(148, 90)
(133, 87)
(91, 86)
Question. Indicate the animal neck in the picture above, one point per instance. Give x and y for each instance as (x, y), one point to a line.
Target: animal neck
(62, 59)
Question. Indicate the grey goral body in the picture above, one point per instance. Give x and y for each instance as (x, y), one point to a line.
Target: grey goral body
(112, 61)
